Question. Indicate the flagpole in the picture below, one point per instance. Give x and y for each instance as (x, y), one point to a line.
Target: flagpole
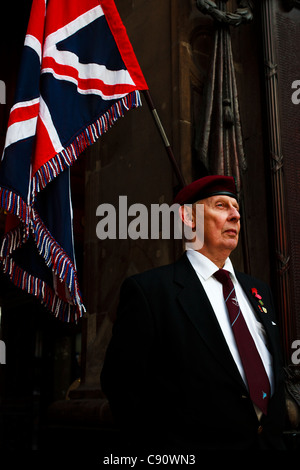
(164, 138)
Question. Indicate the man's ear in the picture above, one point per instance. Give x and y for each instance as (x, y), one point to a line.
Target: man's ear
(186, 215)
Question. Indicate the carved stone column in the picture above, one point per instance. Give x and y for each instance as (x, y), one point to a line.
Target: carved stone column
(277, 178)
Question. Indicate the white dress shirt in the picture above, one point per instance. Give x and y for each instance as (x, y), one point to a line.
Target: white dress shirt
(205, 269)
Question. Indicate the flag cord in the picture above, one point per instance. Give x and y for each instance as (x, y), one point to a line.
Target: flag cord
(164, 137)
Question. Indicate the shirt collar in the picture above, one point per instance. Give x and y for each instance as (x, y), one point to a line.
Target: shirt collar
(205, 267)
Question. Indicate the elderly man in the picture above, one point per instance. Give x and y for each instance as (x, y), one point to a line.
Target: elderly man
(194, 361)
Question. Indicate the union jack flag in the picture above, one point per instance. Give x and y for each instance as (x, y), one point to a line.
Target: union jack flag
(78, 75)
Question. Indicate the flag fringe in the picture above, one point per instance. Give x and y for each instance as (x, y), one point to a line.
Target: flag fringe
(53, 254)
(15, 205)
(87, 137)
(35, 286)
(55, 258)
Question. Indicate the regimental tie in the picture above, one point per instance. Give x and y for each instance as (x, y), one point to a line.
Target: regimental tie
(257, 379)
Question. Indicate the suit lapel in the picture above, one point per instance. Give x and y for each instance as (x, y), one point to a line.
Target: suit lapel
(195, 303)
(264, 318)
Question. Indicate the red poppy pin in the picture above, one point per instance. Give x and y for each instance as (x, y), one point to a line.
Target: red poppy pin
(260, 304)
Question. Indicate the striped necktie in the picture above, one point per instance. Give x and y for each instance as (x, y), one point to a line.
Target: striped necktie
(257, 379)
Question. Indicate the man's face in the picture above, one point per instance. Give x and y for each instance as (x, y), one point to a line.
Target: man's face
(221, 226)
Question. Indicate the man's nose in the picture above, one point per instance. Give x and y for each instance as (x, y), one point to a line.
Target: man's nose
(234, 214)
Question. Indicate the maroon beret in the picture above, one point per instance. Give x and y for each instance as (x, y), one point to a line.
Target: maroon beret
(206, 187)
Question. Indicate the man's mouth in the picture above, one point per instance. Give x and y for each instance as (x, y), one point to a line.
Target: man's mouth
(231, 231)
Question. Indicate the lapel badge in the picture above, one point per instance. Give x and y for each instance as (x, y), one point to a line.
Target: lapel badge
(255, 293)
(260, 304)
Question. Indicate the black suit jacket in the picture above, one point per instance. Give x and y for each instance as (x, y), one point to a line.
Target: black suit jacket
(169, 375)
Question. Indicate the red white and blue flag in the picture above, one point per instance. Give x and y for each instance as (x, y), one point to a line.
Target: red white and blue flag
(78, 75)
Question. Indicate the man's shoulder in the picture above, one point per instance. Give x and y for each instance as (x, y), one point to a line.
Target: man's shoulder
(158, 274)
(150, 284)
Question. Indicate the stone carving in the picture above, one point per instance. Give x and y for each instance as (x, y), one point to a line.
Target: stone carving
(243, 14)
(292, 4)
(219, 143)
